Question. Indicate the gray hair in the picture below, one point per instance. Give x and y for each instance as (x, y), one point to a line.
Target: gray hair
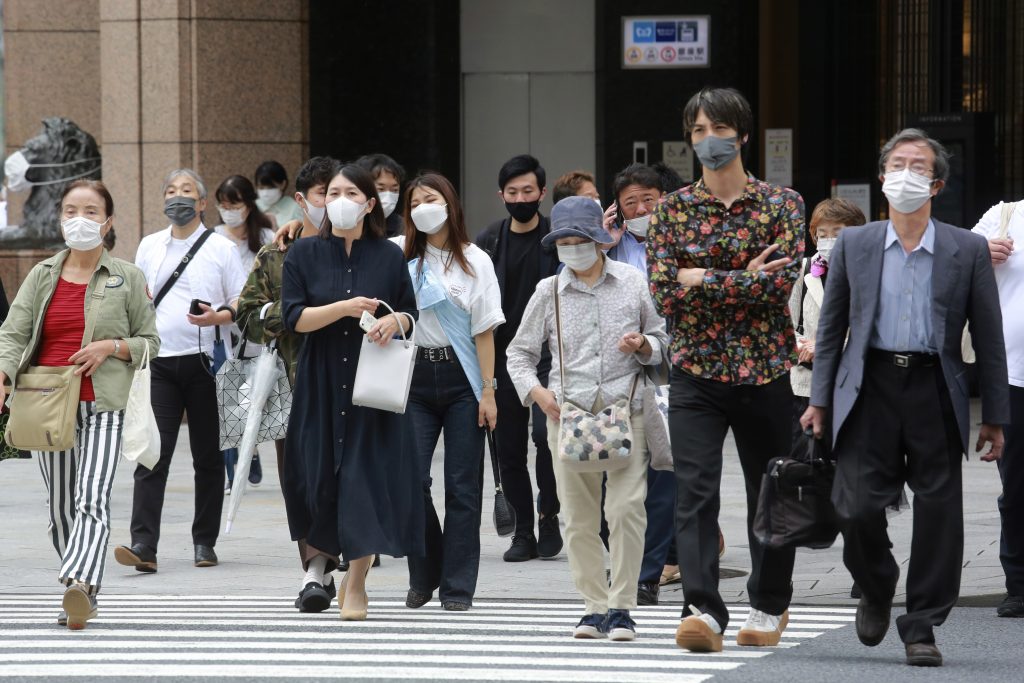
(941, 171)
(196, 178)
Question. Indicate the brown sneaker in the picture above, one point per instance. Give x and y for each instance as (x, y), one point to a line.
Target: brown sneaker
(697, 635)
(762, 629)
(79, 606)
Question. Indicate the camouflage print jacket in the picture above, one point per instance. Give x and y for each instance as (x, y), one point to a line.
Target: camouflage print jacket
(261, 288)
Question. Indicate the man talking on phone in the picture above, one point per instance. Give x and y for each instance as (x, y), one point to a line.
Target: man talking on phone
(723, 254)
(195, 278)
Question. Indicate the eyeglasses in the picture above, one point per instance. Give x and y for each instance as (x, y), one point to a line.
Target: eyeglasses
(920, 169)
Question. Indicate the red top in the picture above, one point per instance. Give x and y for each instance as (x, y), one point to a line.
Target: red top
(63, 329)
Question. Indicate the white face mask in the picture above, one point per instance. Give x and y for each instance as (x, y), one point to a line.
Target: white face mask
(314, 213)
(345, 213)
(825, 245)
(906, 191)
(81, 233)
(232, 217)
(578, 257)
(388, 202)
(429, 218)
(16, 166)
(598, 202)
(638, 226)
(268, 196)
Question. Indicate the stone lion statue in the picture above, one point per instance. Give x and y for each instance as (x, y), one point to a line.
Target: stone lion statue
(60, 153)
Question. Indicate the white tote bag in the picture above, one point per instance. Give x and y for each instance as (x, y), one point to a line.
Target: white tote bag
(384, 373)
(140, 436)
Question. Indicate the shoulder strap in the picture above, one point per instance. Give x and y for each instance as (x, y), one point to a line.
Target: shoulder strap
(185, 260)
(1004, 219)
(558, 333)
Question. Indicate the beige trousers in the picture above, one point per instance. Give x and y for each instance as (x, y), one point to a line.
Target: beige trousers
(580, 496)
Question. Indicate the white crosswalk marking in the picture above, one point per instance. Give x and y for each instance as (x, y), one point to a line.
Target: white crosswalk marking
(266, 638)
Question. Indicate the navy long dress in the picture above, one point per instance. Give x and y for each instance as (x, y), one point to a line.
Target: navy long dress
(351, 482)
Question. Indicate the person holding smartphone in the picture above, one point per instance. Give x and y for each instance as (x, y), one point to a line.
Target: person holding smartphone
(191, 297)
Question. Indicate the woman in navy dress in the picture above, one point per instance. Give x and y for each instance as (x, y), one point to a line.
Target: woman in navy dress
(351, 482)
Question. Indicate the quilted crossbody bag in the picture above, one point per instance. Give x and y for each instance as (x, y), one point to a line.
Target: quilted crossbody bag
(592, 442)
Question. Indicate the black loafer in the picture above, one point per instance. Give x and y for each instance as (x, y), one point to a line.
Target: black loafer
(873, 621)
(138, 556)
(647, 593)
(1012, 607)
(923, 654)
(205, 557)
(414, 599)
(313, 598)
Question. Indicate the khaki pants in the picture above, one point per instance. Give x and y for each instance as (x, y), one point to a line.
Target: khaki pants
(580, 496)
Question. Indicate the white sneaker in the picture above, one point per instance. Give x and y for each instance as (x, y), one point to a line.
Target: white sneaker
(762, 629)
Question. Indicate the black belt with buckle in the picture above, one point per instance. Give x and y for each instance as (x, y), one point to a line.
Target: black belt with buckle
(444, 354)
(905, 360)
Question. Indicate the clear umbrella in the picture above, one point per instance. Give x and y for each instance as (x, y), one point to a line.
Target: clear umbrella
(264, 376)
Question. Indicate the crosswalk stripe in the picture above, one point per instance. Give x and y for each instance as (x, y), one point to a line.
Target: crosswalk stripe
(265, 637)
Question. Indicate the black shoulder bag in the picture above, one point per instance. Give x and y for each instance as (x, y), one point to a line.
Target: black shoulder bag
(185, 260)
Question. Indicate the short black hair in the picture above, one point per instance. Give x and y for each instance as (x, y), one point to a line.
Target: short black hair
(721, 105)
(670, 180)
(316, 171)
(636, 174)
(522, 164)
(270, 173)
(376, 163)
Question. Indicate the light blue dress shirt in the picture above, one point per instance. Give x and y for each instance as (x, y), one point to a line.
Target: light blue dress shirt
(903, 321)
(628, 250)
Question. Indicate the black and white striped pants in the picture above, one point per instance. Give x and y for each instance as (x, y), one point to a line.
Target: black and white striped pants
(78, 482)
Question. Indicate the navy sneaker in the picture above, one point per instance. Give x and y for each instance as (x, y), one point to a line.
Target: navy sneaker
(591, 626)
(619, 625)
(255, 471)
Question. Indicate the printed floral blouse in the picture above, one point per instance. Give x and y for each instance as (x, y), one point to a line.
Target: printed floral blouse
(734, 328)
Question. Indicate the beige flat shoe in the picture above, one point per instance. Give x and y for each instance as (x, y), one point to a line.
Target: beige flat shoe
(670, 574)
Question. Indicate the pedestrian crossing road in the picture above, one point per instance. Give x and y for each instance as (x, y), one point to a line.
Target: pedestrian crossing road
(177, 636)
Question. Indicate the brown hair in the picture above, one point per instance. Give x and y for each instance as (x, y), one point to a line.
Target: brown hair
(840, 211)
(416, 241)
(96, 186)
(570, 183)
(373, 222)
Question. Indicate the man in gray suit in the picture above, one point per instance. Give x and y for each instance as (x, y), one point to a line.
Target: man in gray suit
(897, 393)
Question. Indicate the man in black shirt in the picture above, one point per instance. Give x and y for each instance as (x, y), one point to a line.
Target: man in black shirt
(520, 262)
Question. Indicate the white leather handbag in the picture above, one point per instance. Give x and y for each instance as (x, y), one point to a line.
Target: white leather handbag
(140, 436)
(384, 373)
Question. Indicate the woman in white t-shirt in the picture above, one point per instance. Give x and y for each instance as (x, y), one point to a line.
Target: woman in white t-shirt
(248, 228)
(453, 383)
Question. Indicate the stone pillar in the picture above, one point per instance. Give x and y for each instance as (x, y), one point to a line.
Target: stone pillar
(51, 68)
(218, 86)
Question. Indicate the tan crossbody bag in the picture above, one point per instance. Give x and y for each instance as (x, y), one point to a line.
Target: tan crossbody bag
(966, 347)
(44, 404)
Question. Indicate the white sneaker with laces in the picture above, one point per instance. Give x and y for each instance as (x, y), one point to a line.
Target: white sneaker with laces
(762, 629)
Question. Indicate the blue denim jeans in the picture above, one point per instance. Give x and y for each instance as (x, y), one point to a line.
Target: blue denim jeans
(441, 398)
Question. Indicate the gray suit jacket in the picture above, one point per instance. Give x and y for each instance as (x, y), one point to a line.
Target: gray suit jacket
(963, 288)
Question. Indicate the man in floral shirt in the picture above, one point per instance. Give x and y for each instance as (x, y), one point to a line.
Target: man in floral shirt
(723, 255)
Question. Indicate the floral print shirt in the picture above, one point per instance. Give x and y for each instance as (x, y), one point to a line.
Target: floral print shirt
(735, 327)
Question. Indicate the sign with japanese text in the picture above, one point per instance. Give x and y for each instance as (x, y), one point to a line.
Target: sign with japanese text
(666, 42)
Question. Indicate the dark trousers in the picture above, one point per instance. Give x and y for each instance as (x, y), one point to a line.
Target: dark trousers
(660, 539)
(701, 412)
(1011, 502)
(442, 398)
(510, 438)
(182, 384)
(903, 430)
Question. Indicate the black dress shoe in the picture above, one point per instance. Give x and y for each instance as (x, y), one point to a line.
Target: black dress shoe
(415, 599)
(873, 621)
(138, 556)
(923, 654)
(205, 557)
(523, 548)
(647, 593)
(549, 537)
(1012, 606)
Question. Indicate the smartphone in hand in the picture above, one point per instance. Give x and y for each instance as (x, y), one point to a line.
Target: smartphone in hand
(367, 321)
(194, 309)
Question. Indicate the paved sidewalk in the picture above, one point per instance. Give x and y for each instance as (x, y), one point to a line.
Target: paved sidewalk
(258, 558)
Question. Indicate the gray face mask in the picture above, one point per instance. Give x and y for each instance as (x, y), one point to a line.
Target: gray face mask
(715, 152)
(180, 210)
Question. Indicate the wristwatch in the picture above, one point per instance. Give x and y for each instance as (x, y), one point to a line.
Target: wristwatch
(491, 383)
(117, 346)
